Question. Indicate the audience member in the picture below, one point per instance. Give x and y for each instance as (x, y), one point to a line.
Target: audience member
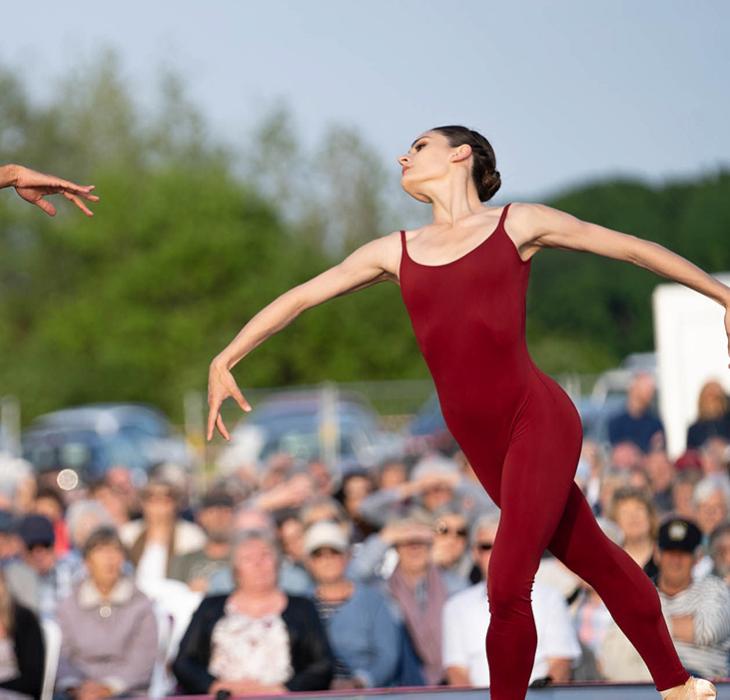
(215, 517)
(38, 580)
(356, 486)
(22, 651)
(683, 492)
(638, 423)
(593, 624)
(82, 518)
(154, 540)
(698, 612)
(711, 502)
(661, 473)
(363, 632)
(49, 502)
(10, 544)
(465, 618)
(114, 500)
(719, 545)
(450, 550)
(633, 511)
(108, 627)
(433, 485)
(712, 415)
(420, 589)
(258, 639)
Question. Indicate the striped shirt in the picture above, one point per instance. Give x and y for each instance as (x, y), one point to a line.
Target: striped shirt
(708, 601)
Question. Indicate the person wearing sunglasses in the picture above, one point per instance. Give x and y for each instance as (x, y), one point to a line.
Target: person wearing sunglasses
(466, 618)
(38, 580)
(450, 550)
(361, 626)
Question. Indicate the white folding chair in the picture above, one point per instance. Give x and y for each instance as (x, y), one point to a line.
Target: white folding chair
(162, 682)
(52, 643)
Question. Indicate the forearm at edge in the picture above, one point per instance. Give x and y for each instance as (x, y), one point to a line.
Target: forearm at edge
(270, 320)
(8, 174)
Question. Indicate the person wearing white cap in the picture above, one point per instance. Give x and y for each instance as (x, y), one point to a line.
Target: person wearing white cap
(362, 629)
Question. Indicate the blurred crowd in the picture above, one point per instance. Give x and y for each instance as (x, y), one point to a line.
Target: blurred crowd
(283, 577)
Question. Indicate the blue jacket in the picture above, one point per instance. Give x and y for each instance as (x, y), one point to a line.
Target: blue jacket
(364, 633)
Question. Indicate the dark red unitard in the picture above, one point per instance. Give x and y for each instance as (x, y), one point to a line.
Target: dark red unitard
(522, 435)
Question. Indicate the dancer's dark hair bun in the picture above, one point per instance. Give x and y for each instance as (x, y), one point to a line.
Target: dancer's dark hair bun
(484, 171)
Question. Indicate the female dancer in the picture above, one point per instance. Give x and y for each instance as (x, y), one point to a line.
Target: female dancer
(465, 295)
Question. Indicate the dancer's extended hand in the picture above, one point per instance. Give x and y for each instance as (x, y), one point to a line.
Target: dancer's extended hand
(33, 186)
(222, 385)
(727, 328)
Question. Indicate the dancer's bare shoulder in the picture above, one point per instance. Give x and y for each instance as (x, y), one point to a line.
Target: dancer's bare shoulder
(533, 226)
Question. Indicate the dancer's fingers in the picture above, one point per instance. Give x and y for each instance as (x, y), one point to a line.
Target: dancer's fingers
(73, 198)
(222, 427)
(46, 206)
(238, 397)
(212, 415)
(67, 185)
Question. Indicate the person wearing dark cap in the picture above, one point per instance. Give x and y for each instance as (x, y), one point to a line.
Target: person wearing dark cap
(697, 611)
(38, 580)
(215, 516)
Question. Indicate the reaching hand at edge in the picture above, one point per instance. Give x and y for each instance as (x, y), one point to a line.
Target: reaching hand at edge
(34, 186)
(222, 385)
(727, 327)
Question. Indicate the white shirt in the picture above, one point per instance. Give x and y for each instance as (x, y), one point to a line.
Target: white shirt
(466, 618)
(708, 601)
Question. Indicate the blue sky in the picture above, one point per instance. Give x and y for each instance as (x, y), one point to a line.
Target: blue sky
(566, 91)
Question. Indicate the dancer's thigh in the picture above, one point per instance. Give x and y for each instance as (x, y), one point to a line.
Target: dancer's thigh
(536, 479)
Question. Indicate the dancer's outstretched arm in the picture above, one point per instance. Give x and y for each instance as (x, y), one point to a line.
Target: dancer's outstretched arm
(33, 186)
(542, 226)
(371, 263)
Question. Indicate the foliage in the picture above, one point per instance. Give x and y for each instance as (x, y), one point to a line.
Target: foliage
(194, 236)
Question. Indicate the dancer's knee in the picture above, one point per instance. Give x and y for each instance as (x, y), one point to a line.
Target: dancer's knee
(508, 597)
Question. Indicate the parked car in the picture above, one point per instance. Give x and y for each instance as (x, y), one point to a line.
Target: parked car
(90, 439)
(296, 422)
(427, 430)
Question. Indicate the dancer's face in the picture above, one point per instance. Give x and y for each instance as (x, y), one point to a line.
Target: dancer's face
(428, 161)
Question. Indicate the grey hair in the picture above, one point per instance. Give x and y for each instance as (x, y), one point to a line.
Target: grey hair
(241, 537)
(720, 531)
(340, 513)
(80, 511)
(706, 486)
(487, 521)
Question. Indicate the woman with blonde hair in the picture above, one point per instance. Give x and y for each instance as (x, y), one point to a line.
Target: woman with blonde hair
(712, 415)
(633, 510)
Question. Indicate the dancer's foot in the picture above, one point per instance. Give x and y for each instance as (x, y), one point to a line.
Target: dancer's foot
(693, 689)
